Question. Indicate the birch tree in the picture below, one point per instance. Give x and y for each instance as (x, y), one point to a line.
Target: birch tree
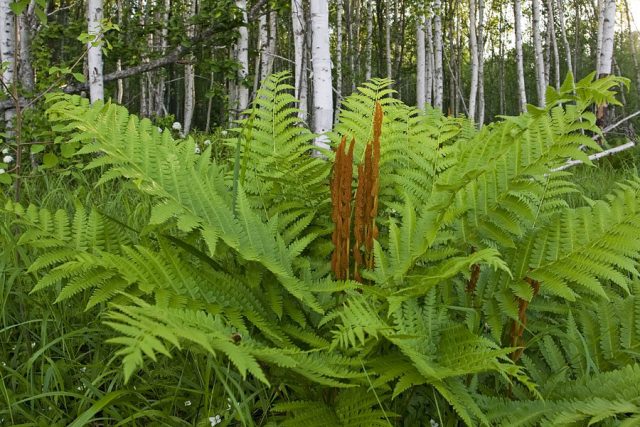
(430, 60)
(300, 75)
(563, 35)
(473, 48)
(387, 37)
(551, 28)
(242, 57)
(537, 52)
(94, 54)
(421, 79)
(369, 41)
(522, 92)
(189, 73)
(338, 56)
(25, 68)
(321, 62)
(437, 43)
(7, 52)
(481, 106)
(607, 31)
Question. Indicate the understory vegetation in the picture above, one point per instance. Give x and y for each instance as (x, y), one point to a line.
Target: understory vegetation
(422, 272)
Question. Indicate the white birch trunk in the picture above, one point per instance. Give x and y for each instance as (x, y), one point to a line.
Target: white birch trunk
(421, 95)
(120, 82)
(338, 58)
(7, 51)
(242, 56)
(538, 54)
(437, 43)
(551, 23)
(94, 55)
(321, 61)
(517, 12)
(634, 52)
(430, 61)
(600, 12)
(164, 43)
(608, 30)
(300, 74)
(263, 45)
(25, 69)
(387, 37)
(473, 48)
(563, 34)
(189, 74)
(369, 44)
(480, 62)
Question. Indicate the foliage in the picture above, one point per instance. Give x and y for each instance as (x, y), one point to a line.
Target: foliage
(490, 298)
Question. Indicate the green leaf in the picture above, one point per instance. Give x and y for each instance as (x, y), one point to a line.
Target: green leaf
(49, 160)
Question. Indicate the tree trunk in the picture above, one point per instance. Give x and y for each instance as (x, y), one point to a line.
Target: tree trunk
(144, 102)
(600, 15)
(7, 52)
(321, 60)
(439, 72)
(189, 74)
(421, 64)
(430, 61)
(634, 53)
(501, 72)
(473, 51)
(522, 92)
(25, 70)
(120, 83)
(608, 29)
(300, 76)
(242, 52)
(338, 57)
(554, 42)
(94, 55)
(387, 36)
(565, 40)
(481, 62)
(538, 55)
(368, 48)
(263, 47)
(164, 43)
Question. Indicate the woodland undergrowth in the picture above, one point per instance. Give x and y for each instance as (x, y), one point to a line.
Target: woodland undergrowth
(421, 272)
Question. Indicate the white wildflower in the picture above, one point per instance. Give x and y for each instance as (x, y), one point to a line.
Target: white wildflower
(207, 142)
(197, 150)
(83, 369)
(7, 159)
(4, 363)
(5, 151)
(224, 133)
(33, 344)
(228, 404)
(160, 130)
(176, 126)
(1, 172)
(215, 420)
(434, 423)
(187, 403)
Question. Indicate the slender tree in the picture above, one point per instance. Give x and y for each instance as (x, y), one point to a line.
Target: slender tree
(437, 43)
(420, 64)
(189, 73)
(25, 69)
(300, 74)
(537, 52)
(387, 37)
(551, 25)
(563, 35)
(7, 52)
(481, 106)
(632, 47)
(430, 60)
(94, 54)
(242, 57)
(522, 92)
(369, 41)
(473, 48)
(338, 56)
(321, 61)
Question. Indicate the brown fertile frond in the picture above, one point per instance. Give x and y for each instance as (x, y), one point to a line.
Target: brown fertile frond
(341, 209)
(518, 327)
(366, 212)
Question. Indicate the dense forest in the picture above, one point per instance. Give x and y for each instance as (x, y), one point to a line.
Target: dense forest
(319, 213)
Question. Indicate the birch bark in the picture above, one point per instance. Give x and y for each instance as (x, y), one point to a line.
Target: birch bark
(7, 51)
(538, 54)
(522, 93)
(563, 35)
(300, 74)
(189, 74)
(473, 50)
(321, 62)
(420, 64)
(439, 72)
(369, 43)
(338, 57)
(242, 56)
(480, 62)
(94, 55)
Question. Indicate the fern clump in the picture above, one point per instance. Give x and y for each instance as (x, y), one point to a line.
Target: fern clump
(476, 283)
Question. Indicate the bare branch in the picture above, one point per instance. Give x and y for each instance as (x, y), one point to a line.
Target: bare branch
(571, 163)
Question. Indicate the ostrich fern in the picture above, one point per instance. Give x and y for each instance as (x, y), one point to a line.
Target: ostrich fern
(468, 221)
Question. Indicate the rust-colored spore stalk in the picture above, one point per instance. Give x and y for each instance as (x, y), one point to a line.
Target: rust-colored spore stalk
(518, 327)
(341, 213)
(366, 204)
